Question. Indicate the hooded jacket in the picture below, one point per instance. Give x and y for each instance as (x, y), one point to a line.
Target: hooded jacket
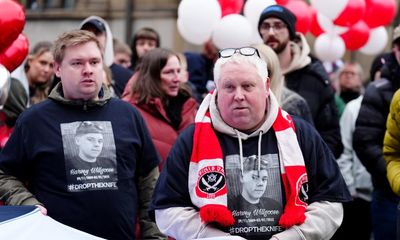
(176, 215)
(160, 125)
(307, 77)
(102, 199)
(371, 125)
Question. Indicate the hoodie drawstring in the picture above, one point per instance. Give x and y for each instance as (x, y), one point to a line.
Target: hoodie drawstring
(241, 151)
(259, 151)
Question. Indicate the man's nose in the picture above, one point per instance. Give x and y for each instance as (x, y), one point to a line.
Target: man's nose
(87, 68)
(239, 95)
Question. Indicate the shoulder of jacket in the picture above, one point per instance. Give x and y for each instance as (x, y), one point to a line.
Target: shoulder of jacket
(381, 83)
(316, 69)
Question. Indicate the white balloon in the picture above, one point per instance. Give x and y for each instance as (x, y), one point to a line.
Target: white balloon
(196, 19)
(327, 25)
(5, 82)
(330, 8)
(233, 30)
(329, 47)
(256, 38)
(191, 34)
(253, 8)
(378, 38)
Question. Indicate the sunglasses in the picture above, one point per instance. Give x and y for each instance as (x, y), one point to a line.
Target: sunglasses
(245, 51)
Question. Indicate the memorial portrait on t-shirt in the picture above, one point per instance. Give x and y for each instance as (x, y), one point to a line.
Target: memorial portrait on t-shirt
(90, 156)
(254, 195)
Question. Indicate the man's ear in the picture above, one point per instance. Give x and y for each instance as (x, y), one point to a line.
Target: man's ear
(77, 140)
(57, 70)
(29, 59)
(267, 83)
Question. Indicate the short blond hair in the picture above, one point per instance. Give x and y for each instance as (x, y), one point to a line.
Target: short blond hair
(274, 70)
(72, 38)
(237, 58)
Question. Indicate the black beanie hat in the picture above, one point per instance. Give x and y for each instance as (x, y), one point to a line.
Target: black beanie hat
(283, 14)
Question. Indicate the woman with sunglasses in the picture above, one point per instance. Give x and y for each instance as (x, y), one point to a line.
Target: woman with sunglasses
(164, 101)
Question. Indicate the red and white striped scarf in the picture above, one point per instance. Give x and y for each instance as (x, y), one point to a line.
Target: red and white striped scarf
(207, 182)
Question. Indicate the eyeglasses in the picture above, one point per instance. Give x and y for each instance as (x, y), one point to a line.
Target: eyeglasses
(245, 51)
(277, 26)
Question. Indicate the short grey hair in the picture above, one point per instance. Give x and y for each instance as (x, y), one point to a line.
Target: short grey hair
(237, 58)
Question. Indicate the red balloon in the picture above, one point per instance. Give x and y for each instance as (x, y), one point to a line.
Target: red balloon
(380, 12)
(230, 6)
(315, 29)
(15, 54)
(303, 16)
(282, 2)
(353, 12)
(12, 21)
(357, 36)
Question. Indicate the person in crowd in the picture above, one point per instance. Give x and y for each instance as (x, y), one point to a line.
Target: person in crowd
(109, 81)
(239, 119)
(43, 173)
(122, 53)
(357, 214)
(144, 40)
(303, 74)
(351, 83)
(100, 28)
(391, 150)
(200, 68)
(185, 76)
(290, 101)
(163, 100)
(37, 72)
(332, 68)
(377, 64)
(368, 141)
(16, 102)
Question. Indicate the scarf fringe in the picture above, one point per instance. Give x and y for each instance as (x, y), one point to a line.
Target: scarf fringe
(292, 216)
(217, 213)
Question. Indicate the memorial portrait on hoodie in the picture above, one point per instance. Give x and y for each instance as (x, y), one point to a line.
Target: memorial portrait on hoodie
(90, 156)
(255, 195)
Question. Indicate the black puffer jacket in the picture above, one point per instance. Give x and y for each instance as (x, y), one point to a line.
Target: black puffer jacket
(371, 123)
(312, 83)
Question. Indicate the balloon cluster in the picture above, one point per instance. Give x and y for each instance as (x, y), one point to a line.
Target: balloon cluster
(337, 24)
(14, 44)
(350, 24)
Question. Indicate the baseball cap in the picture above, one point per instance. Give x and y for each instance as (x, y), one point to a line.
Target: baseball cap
(97, 24)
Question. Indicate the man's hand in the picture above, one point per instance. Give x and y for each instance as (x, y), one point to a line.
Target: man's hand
(43, 210)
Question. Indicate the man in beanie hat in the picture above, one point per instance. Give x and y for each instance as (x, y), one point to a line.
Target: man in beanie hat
(303, 74)
(373, 146)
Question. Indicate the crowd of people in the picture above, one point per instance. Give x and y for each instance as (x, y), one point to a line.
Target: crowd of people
(258, 142)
